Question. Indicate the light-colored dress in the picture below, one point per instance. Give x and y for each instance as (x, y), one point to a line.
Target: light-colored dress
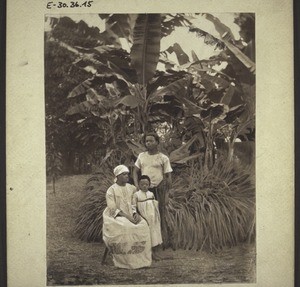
(147, 207)
(129, 243)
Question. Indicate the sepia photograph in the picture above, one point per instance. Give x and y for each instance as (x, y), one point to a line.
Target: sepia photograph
(150, 148)
(150, 144)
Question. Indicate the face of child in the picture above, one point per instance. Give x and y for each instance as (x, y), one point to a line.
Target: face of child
(144, 184)
(151, 142)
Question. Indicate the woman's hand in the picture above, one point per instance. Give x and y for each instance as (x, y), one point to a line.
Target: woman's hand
(136, 218)
(123, 214)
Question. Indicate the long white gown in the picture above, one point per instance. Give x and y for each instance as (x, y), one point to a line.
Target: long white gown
(147, 207)
(130, 244)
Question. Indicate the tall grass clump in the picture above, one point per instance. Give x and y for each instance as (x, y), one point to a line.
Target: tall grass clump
(212, 210)
(89, 220)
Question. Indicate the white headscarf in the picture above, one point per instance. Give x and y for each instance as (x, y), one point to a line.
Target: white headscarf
(120, 169)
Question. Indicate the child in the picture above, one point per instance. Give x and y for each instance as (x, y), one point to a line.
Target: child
(147, 207)
(157, 166)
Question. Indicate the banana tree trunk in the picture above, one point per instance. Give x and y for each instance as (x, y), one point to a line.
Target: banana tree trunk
(208, 157)
(209, 152)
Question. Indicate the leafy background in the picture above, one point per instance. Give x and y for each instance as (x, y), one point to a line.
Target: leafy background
(105, 88)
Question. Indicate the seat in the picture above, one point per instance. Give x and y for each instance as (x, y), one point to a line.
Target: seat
(104, 257)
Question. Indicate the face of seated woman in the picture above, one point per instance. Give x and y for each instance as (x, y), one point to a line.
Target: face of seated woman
(123, 178)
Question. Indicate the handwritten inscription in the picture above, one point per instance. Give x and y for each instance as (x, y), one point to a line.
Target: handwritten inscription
(66, 4)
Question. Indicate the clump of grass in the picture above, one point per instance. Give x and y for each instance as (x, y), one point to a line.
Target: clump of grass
(89, 220)
(214, 209)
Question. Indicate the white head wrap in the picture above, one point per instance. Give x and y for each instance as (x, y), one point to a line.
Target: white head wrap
(120, 169)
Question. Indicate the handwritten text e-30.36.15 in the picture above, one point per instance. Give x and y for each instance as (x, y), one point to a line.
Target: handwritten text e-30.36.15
(72, 4)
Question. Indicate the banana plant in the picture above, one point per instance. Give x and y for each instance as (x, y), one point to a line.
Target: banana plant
(126, 89)
(228, 39)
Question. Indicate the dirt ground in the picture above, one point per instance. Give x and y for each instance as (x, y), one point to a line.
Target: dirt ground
(71, 261)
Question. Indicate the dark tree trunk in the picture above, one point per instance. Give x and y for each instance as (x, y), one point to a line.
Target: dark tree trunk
(53, 183)
(68, 162)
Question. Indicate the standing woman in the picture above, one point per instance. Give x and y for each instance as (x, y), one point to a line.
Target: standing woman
(125, 233)
(157, 166)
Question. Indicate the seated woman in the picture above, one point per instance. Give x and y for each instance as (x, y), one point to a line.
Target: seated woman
(125, 233)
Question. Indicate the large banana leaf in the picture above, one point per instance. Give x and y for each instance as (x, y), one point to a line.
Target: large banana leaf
(130, 101)
(171, 21)
(227, 97)
(120, 25)
(168, 63)
(241, 56)
(80, 89)
(135, 147)
(195, 57)
(178, 89)
(93, 97)
(208, 38)
(182, 57)
(221, 28)
(81, 108)
(227, 37)
(182, 154)
(146, 46)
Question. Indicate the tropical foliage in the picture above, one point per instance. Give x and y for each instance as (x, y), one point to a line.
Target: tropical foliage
(107, 91)
(212, 210)
(207, 211)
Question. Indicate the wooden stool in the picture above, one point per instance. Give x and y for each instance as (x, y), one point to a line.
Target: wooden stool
(106, 251)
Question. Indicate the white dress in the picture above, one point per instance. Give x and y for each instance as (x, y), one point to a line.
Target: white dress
(147, 207)
(130, 244)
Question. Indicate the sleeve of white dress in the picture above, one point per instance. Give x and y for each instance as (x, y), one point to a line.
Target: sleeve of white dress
(111, 203)
(167, 164)
(138, 162)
